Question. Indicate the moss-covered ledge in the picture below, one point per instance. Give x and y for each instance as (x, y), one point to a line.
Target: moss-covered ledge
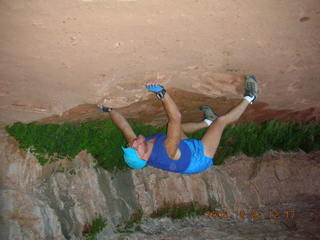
(103, 139)
(170, 210)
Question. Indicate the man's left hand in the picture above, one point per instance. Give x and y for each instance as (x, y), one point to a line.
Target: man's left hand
(103, 108)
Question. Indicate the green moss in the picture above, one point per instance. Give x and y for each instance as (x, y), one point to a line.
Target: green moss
(255, 139)
(53, 142)
(134, 218)
(91, 230)
(171, 210)
(103, 139)
(180, 210)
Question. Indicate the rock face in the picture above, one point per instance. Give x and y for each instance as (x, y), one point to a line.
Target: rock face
(59, 58)
(150, 111)
(56, 55)
(48, 203)
(302, 225)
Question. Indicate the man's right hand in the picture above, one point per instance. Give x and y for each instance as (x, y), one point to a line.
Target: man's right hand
(154, 86)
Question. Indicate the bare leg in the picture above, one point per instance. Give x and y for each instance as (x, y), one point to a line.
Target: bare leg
(213, 135)
(193, 126)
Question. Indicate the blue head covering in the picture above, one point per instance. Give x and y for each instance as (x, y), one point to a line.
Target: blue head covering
(132, 159)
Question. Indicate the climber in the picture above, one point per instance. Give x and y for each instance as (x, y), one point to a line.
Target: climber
(174, 151)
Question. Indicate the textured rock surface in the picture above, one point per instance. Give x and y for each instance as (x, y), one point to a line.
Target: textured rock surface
(46, 203)
(56, 55)
(59, 58)
(151, 111)
(242, 183)
(302, 225)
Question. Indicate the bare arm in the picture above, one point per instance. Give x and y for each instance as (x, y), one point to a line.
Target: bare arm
(171, 108)
(174, 126)
(123, 125)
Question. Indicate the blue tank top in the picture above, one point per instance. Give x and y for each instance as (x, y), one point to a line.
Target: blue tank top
(160, 159)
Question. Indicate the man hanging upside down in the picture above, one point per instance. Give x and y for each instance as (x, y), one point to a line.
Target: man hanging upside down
(175, 152)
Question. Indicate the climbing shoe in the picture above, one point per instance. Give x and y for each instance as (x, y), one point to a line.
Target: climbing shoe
(251, 88)
(208, 113)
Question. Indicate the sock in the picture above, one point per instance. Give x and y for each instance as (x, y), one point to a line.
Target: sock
(249, 99)
(208, 122)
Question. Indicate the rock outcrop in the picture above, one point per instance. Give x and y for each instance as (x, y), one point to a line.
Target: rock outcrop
(57, 201)
(56, 55)
(60, 58)
(150, 111)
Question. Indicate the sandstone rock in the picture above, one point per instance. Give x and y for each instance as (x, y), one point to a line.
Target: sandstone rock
(46, 202)
(25, 216)
(90, 52)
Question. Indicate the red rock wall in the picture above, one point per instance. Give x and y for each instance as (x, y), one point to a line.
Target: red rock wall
(56, 55)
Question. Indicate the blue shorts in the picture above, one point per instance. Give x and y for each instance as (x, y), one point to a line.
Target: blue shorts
(199, 162)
